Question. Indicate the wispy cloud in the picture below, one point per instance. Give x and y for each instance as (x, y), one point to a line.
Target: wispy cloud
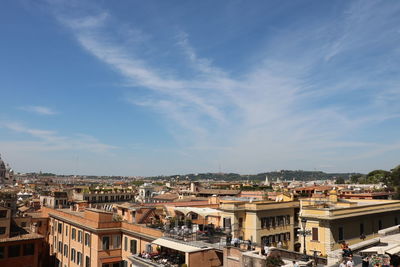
(46, 140)
(296, 100)
(41, 110)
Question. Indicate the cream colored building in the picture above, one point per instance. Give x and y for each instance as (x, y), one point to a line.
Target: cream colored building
(262, 222)
(331, 220)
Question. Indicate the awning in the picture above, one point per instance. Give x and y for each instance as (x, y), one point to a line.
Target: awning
(111, 260)
(393, 251)
(390, 249)
(167, 243)
(200, 211)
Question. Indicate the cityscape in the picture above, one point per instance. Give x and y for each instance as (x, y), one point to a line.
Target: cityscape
(200, 133)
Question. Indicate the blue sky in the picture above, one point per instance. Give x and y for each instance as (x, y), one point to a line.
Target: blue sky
(165, 87)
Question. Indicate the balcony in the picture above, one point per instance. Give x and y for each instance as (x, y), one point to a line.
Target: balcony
(142, 262)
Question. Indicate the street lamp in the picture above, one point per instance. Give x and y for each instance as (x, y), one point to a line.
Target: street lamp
(304, 233)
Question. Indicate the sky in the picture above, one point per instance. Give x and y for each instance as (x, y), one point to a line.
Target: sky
(150, 87)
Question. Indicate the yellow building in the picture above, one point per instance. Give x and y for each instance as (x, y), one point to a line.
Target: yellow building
(262, 222)
(331, 220)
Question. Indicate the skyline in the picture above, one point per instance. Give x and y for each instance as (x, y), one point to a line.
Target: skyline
(162, 88)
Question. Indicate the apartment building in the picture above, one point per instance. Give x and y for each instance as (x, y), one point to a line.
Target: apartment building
(261, 222)
(20, 246)
(95, 238)
(102, 195)
(331, 220)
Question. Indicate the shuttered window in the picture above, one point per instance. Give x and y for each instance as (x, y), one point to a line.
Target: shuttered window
(315, 234)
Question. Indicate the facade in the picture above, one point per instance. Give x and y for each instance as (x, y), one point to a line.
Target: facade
(54, 200)
(102, 195)
(261, 222)
(95, 238)
(145, 193)
(20, 247)
(8, 199)
(332, 220)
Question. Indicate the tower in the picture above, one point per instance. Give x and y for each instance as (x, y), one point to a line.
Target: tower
(267, 183)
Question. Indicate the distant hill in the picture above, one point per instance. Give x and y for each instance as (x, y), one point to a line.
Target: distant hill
(282, 175)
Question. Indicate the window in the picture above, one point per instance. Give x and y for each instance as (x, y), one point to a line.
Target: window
(361, 229)
(125, 243)
(106, 242)
(87, 261)
(116, 241)
(66, 250)
(66, 230)
(341, 234)
(133, 246)
(87, 239)
(73, 235)
(1, 252)
(3, 213)
(315, 234)
(73, 254)
(79, 258)
(14, 251)
(80, 236)
(2, 230)
(59, 228)
(60, 246)
(380, 225)
(28, 249)
(227, 223)
(240, 222)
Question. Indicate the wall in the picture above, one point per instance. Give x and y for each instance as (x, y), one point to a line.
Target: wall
(205, 258)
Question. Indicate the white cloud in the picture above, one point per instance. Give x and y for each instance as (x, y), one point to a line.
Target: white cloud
(39, 110)
(279, 110)
(45, 140)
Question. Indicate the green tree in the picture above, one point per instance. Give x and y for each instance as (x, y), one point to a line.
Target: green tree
(394, 181)
(378, 176)
(356, 178)
(340, 180)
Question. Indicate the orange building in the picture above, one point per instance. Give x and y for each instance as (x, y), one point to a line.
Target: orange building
(20, 246)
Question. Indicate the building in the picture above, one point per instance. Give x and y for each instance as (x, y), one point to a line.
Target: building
(352, 194)
(20, 246)
(216, 192)
(145, 193)
(6, 173)
(331, 220)
(102, 195)
(96, 238)
(54, 200)
(261, 222)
